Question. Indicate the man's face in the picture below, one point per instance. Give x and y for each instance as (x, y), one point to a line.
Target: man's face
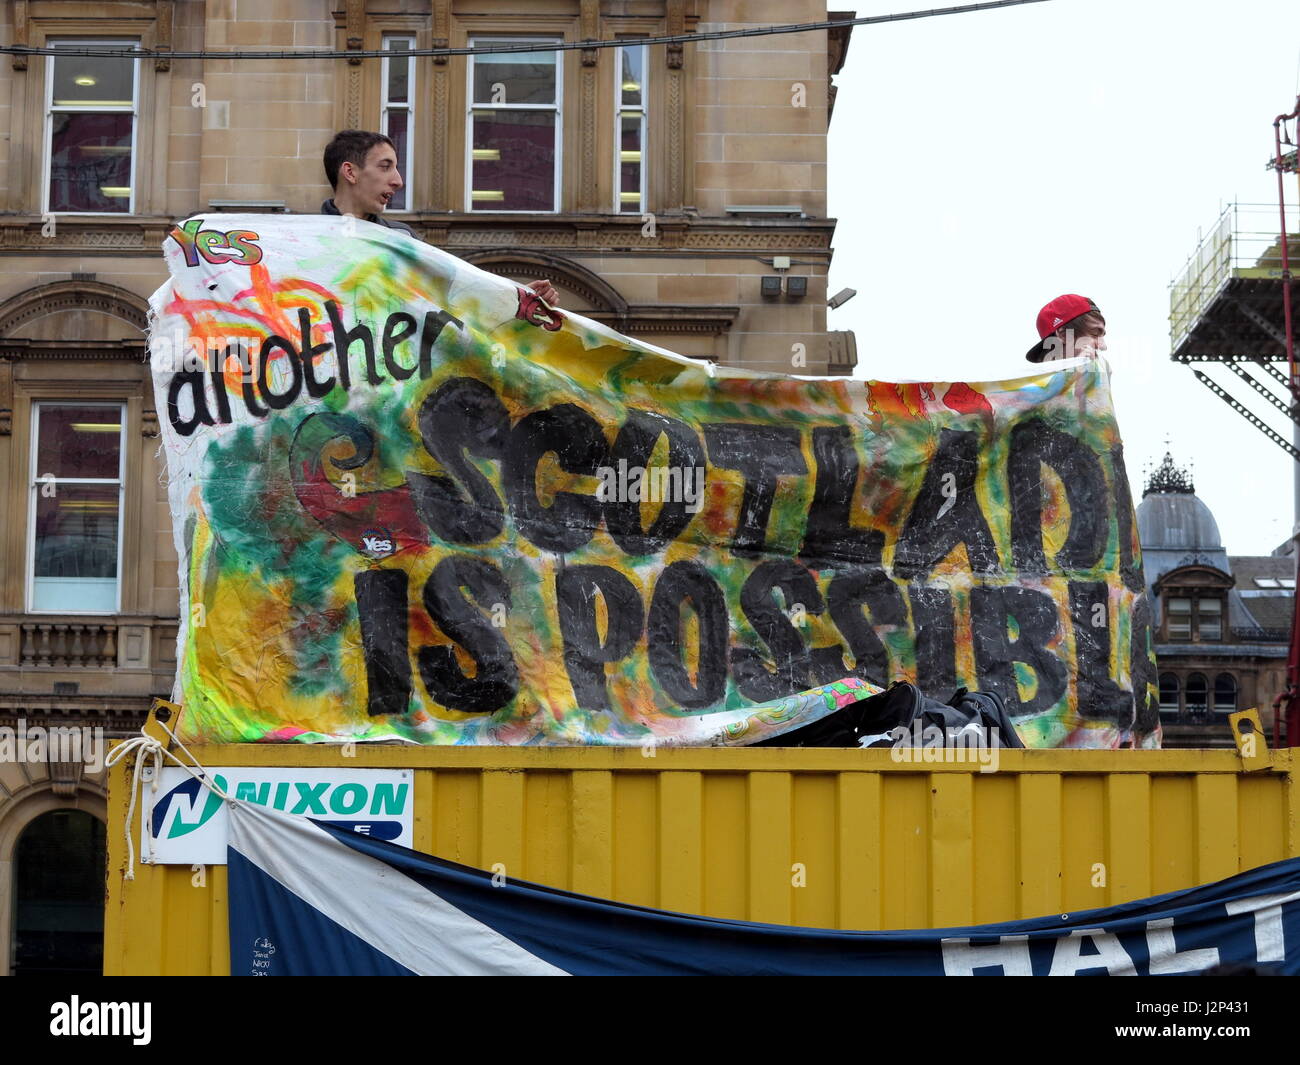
(376, 180)
(1090, 340)
(1084, 340)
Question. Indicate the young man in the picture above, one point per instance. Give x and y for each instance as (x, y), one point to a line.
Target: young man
(361, 168)
(1069, 327)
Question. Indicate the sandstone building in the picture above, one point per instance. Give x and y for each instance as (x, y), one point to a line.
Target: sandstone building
(677, 192)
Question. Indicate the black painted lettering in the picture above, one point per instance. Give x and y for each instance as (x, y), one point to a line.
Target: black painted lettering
(946, 512)
(1099, 696)
(1034, 444)
(381, 606)
(634, 445)
(936, 639)
(193, 381)
(434, 323)
(1130, 551)
(496, 678)
(283, 399)
(316, 389)
(850, 591)
(1142, 667)
(217, 371)
(398, 328)
(762, 453)
(577, 441)
(585, 653)
(344, 338)
(791, 665)
(462, 416)
(996, 653)
(829, 539)
(678, 584)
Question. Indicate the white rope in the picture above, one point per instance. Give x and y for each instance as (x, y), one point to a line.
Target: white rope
(146, 747)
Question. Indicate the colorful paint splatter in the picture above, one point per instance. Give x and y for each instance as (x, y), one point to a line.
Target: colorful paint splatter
(413, 502)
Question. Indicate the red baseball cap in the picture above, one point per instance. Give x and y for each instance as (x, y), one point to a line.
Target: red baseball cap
(1058, 313)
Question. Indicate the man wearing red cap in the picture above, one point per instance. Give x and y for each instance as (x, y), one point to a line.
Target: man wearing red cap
(1069, 327)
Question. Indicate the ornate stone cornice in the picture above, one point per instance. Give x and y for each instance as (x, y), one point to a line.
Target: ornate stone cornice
(677, 318)
(603, 300)
(619, 233)
(125, 236)
(144, 237)
(75, 350)
(107, 710)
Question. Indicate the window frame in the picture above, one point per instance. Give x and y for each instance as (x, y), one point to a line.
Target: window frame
(1216, 614)
(1184, 615)
(1214, 693)
(644, 110)
(557, 108)
(34, 478)
(49, 110)
(385, 106)
(1177, 706)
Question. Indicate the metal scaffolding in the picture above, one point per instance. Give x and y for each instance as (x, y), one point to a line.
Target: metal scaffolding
(1232, 305)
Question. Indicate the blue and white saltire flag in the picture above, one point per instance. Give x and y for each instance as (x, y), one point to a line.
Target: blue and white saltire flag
(308, 898)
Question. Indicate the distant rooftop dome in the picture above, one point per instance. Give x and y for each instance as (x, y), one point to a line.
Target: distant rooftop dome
(1172, 518)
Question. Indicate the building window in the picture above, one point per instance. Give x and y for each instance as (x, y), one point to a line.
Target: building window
(76, 508)
(1225, 693)
(514, 129)
(1209, 619)
(630, 136)
(59, 896)
(1169, 693)
(90, 112)
(1198, 692)
(395, 116)
(1180, 619)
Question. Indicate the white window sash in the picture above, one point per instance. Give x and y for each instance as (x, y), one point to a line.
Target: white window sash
(37, 482)
(47, 162)
(621, 109)
(557, 108)
(401, 42)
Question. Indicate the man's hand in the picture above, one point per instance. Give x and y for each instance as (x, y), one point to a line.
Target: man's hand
(546, 290)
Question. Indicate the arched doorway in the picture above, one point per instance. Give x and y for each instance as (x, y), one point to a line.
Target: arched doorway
(59, 865)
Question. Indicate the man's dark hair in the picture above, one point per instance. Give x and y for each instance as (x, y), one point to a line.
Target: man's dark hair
(1086, 321)
(350, 146)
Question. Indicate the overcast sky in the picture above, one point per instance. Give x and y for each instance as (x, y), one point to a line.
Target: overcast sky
(982, 164)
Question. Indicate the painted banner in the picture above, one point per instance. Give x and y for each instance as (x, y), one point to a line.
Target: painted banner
(313, 899)
(412, 501)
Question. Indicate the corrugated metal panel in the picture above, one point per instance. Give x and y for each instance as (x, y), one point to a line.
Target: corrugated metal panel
(847, 839)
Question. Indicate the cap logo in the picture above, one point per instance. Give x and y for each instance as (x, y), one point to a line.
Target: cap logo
(1056, 321)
